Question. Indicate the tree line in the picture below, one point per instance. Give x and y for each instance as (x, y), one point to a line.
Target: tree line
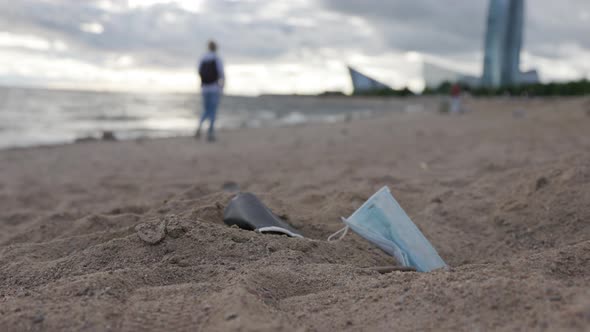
(573, 88)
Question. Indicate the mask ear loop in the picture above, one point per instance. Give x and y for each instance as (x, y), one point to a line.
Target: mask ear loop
(342, 232)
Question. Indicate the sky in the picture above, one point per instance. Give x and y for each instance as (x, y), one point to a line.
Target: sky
(271, 46)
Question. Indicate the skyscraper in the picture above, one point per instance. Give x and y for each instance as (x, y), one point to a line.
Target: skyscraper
(503, 43)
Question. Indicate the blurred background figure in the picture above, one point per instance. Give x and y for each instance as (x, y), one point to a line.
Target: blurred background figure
(455, 99)
(212, 82)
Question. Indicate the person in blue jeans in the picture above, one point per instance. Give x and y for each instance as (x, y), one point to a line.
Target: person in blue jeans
(212, 82)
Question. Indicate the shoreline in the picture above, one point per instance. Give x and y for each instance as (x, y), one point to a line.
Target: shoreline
(71, 117)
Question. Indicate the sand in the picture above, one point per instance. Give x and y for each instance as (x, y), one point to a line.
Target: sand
(504, 199)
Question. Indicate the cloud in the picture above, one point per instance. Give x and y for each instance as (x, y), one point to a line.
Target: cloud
(167, 34)
(161, 35)
(290, 41)
(552, 24)
(432, 26)
(455, 26)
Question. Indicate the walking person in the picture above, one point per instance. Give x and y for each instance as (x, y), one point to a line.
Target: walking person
(212, 82)
(456, 99)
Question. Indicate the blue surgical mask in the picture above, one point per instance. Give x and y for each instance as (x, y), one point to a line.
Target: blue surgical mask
(383, 222)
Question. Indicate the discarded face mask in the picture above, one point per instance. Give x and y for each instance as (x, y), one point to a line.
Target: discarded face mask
(383, 222)
(246, 211)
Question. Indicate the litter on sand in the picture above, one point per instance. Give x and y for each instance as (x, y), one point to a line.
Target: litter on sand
(246, 211)
(382, 221)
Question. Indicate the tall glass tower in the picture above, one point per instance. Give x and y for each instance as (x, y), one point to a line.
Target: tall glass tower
(503, 43)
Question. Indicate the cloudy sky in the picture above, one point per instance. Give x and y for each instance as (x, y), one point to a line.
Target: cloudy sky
(278, 46)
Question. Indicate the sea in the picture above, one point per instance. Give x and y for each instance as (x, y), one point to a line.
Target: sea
(39, 117)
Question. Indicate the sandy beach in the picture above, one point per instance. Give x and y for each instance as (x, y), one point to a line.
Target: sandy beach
(502, 192)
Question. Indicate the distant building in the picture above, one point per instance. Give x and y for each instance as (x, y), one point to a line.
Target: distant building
(434, 75)
(529, 77)
(363, 84)
(503, 44)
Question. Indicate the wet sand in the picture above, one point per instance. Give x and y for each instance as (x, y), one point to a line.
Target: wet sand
(504, 199)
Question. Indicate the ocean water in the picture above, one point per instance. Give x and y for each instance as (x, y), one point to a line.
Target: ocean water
(32, 117)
